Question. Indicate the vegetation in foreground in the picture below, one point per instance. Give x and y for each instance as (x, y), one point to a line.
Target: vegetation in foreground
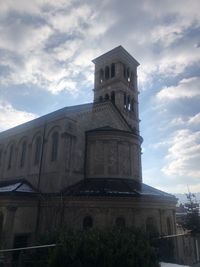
(116, 247)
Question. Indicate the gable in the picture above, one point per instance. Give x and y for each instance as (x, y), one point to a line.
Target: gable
(96, 115)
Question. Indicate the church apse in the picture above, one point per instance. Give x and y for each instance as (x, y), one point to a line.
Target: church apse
(113, 154)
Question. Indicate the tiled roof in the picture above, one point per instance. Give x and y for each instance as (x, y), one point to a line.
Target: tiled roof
(19, 186)
(113, 187)
(116, 53)
(66, 111)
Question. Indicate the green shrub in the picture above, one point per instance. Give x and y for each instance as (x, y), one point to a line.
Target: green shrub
(95, 248)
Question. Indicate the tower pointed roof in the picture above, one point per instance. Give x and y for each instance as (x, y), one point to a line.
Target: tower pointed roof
(118, 53)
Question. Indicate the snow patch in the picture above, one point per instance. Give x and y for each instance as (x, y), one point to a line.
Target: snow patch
(164, 264)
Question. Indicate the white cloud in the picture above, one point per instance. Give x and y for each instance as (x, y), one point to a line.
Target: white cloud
(87, 28)
(33, 7)
(168, 34)
(195, 120)
(183, 155)
(187, 88)
(11, 117)
(186, 120)
(23, 39)
(72, 21)
(33, 54)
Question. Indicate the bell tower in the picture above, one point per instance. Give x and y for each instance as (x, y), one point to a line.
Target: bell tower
(116, 80)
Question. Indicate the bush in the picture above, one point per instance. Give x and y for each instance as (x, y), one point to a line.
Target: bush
(113, 248)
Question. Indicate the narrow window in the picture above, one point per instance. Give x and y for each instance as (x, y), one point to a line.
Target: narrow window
(10, 157)
(132, 104)
(54, 148)
(125, 102)
(128, 103)
(112, 70)
(23, 154)
(132, 78)
(87, 223)
(120, 223)
(38, 146)
(107, 97)
(100, 99)
(124, 67)
(101, 75)
(113, 97)
(128, 75)
(107, 73)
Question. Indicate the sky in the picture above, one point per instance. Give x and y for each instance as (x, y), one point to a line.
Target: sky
(46, 48)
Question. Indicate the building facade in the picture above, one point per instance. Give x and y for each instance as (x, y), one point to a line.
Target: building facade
(80, 166)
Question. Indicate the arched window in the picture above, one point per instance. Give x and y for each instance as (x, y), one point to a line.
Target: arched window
(38, 148)
(128, 103)
(120, 222)
(107, 73)
(112, 70)
(132, 104)
(169, 228)
(124, 68)
(125, 101)
(113, 97)
(10, 157)
(128, 75)
(100, 99)
(23, 154)
(87, 223)
(132, 77)
(107, 97)
(54, 147)
(101, 75)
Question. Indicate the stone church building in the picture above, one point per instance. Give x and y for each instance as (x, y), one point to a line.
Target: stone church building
(80, 166)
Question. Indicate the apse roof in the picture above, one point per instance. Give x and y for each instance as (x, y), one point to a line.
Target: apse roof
(19, 186)
(113, 187)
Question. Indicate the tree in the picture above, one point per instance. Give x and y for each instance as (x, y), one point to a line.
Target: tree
(192, 221)
(108, 248)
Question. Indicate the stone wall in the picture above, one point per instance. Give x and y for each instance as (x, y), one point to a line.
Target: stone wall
(68, 168)
(104, 212)
(113, 154)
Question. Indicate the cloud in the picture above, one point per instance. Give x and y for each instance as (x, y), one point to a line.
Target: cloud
(34, 7)
(195, 120)
(11, 117)
(187, 121)
(73, 21)
(51, 49)
(187, 88)
(65, 35)
(183, 155)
